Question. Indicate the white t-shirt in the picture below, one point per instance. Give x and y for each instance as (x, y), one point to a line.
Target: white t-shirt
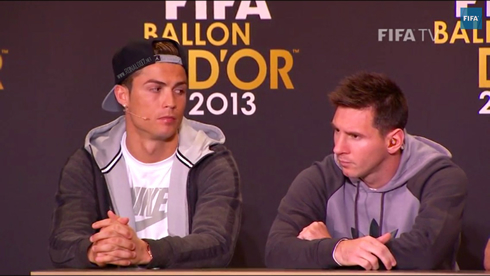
(149, 184)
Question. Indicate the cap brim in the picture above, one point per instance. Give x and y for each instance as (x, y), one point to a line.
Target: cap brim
(110, 103)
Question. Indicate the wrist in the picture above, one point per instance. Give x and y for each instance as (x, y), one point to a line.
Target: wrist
(336, 252)
(148, 256)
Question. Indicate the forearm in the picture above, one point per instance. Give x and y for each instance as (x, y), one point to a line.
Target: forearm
(74, 214)
(67, 253)
(69, 239)
(304, 203)
(432, 242)
(292, 252)
(211, 242)
(193, 251)
(417, 252)
(215, 222)
(434, 238)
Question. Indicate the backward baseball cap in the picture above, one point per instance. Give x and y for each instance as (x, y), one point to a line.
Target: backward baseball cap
(134, 56)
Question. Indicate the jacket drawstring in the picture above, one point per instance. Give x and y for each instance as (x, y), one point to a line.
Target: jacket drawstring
(381, 214)
(356, 215)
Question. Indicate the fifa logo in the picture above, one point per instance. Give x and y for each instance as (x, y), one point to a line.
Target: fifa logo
(470, 18)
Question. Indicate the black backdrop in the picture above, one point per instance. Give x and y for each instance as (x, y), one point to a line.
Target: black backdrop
(55, 70)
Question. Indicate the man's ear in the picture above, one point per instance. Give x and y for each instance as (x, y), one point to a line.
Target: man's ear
(122, 95)
(395, 140)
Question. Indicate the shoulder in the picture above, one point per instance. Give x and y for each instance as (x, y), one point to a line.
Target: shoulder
(327, 169)
(79, 156)
(221, 158)
(444, 168)
(441, 175)
(323, 174)
(218, 148)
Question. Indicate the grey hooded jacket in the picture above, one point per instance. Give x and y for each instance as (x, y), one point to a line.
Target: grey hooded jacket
(204, 202)
(421, 206)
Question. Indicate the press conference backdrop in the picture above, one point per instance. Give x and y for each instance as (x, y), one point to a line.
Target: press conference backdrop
(260, 70)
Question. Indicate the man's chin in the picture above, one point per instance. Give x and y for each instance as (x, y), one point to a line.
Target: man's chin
(166, 136)
(350, 173)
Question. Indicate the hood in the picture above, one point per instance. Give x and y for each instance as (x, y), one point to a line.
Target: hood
(194, 140)
(417, 153)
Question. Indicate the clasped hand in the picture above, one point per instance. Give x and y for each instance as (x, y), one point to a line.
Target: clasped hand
(116, 243)
(365, 251)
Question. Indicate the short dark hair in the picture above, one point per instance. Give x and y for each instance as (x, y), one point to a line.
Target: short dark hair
(376, 90)
(159, 48)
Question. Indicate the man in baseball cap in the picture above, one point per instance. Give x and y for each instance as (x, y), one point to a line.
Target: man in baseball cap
(150, 188)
